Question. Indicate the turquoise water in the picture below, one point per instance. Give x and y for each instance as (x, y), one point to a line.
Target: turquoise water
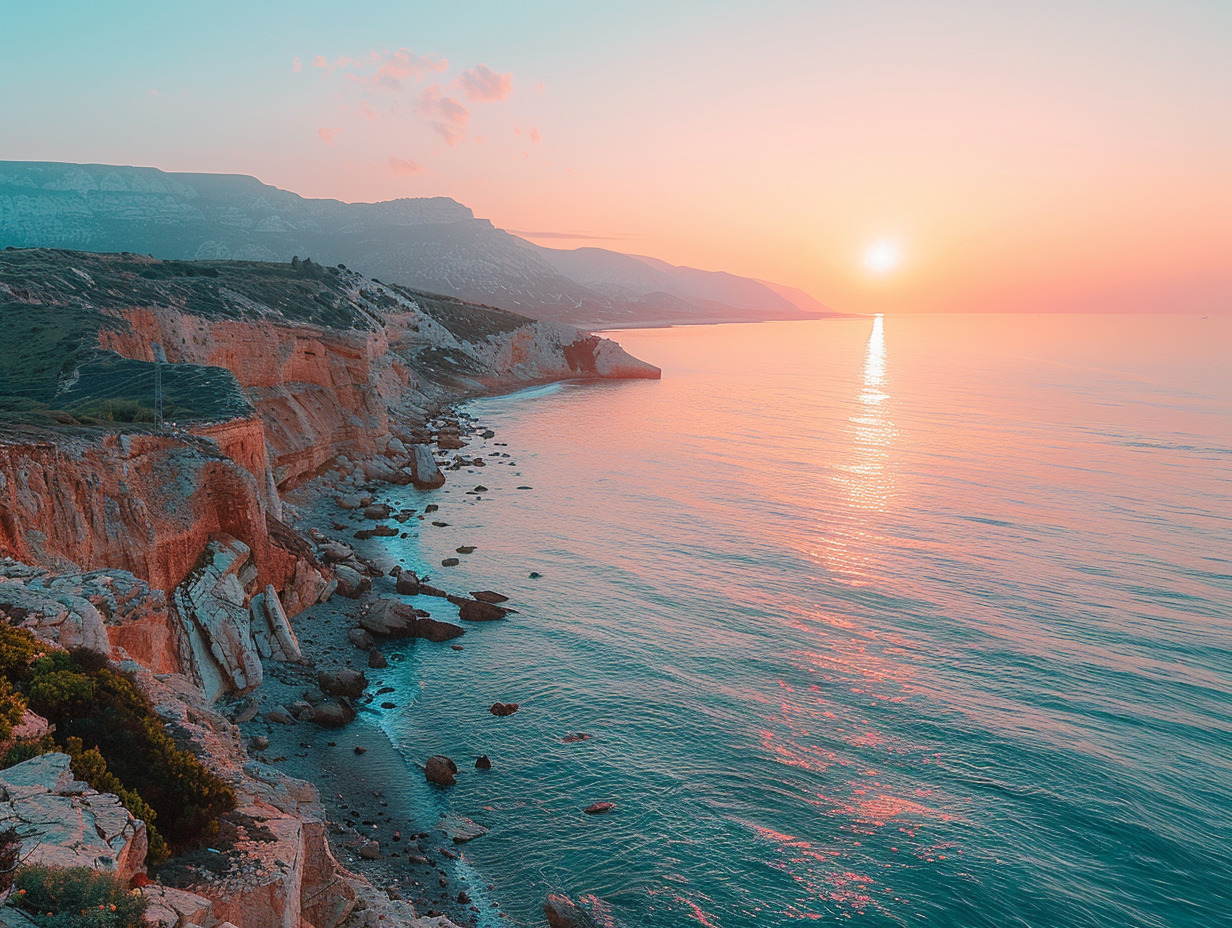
(914, 621)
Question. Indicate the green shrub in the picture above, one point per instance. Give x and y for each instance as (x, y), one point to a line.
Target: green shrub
(117, 742)
(95, 708)
(77, 898)
(88, 765)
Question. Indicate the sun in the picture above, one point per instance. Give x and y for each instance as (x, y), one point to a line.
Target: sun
(882, 257)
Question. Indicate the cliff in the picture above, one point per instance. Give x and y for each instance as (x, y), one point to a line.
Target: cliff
(272, 372)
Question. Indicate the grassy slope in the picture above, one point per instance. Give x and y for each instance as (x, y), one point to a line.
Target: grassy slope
(53, 303)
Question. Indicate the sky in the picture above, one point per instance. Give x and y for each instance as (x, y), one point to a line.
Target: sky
(948, 156)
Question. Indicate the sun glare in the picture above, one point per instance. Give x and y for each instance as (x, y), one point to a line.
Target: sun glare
(882, 257)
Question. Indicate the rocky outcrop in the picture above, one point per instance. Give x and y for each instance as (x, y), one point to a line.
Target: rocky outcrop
(110, 612)
(147, 504)
(428, 475)
(61, 822)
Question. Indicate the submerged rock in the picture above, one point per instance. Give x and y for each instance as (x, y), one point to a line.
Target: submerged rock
(461, 829)
(563, 912)
(598, 808)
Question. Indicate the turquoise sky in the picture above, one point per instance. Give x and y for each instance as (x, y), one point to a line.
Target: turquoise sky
(1021, 155)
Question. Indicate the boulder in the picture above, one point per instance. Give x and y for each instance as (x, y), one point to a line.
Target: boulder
(351, 583)
(598, 808)
(342, 682)
(360, 638)
(376, 660)
(61, 822)
(284, 644)
(407, 584)
(377, 511)
(427, 476)
(440, 770)
(502, 709)
(216, 622)
(331, 714)
(482, 762)
(449, 562)
(333, 552)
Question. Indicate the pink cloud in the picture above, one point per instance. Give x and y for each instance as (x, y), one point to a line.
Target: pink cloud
(297, 65)
(403, 166)
(328, 135)
(447, 117)
(383, 70)
(482, 85)
(534, 135)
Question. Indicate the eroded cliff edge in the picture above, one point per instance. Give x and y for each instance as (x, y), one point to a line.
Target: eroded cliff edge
(272, 372)
(168, 549)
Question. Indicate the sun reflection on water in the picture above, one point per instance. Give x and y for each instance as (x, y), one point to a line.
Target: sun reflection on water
(866, 480)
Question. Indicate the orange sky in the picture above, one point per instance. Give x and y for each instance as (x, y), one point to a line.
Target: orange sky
(1032, 156)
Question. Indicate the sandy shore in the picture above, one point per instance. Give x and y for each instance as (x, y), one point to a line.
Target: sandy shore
(364, 781)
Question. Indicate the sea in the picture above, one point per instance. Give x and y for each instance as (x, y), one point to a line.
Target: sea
(902, 620)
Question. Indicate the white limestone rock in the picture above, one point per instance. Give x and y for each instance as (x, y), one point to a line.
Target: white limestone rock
(61, 822)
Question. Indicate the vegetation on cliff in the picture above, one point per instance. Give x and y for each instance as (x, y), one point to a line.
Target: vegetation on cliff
(117, 743)
(55, 897)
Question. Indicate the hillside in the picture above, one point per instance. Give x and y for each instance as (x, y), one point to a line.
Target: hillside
(432, 244)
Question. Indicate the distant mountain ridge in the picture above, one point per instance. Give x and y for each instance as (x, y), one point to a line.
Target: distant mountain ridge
(434, 244)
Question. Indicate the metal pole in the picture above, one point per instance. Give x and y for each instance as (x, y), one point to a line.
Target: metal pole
(160, 358)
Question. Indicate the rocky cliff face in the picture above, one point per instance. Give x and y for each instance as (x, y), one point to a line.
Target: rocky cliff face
(145, 503)
(322, 362)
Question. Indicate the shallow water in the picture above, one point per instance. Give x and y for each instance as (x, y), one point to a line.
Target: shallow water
(922, 620)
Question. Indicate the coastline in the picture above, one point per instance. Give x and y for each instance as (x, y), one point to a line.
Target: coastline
(367, 785)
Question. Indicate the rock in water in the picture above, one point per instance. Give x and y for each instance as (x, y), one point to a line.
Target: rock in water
(563, 912)
(392, 619)
(598, 808)
(482, 762)
(461, 829)
(501, 709)
(470, 610)
(440, 770)
(376, 660)
(407, 584)
(487, 596)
